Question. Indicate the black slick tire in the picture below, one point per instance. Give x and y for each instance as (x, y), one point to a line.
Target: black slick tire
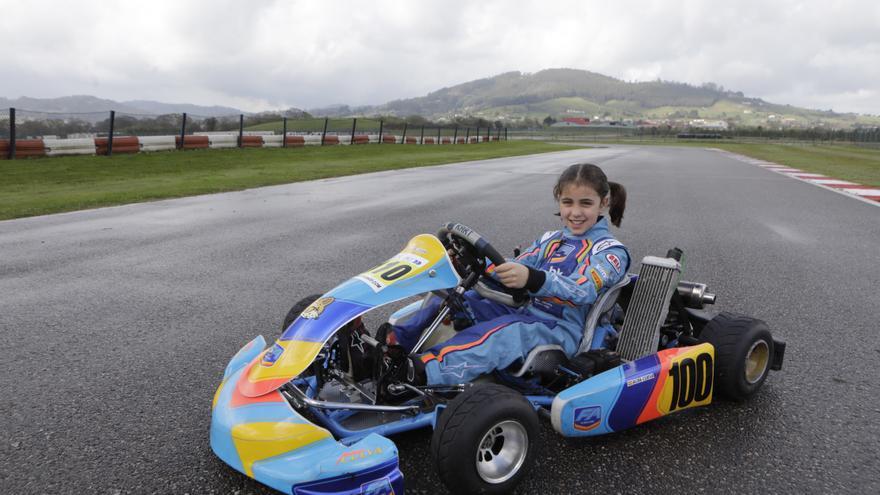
(298, 308)
(743, 353)
(485, 427)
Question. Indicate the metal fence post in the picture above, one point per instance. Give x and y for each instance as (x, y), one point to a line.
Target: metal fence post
(422, 137)
(110, 134)
(505, 135)
(11, 133)
(354, 123)
(240, 130)
(381, 124)
(183, 131)
(438, 134)
(324, 134)
(488, 134)
(477, 134)
(403, 138)
(284, 132)
(467, 136)
(455, 135)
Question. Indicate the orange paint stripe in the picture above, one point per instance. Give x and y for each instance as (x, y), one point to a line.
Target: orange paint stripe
(446, 350)
(534, 251)
(583, 252)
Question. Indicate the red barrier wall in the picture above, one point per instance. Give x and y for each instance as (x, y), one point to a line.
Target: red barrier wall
(361, 139)
(295, 141)
(461, 141)
(4, 149)
(193, 142)
(252, 141)
(25, 148)
(428, 141)
(411, 140)
(390, 138)
(446, 141)
(331, 140)
(121, 144)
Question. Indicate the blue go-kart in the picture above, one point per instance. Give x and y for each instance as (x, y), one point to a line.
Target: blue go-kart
(311, 413)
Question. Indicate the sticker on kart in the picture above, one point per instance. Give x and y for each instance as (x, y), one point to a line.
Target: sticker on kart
(419, 254)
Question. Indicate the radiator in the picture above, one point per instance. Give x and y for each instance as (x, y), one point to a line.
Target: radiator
(648, 307)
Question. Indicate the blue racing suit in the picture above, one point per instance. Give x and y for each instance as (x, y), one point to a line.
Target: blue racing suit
(566, 275)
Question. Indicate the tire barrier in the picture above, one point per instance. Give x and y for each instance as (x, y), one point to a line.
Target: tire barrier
(26, 148)
(52, 146)
(158, 143)
(271, 141)
(295, 141)
(193, 142)
(252, 141)
(82, 146)
(121, 144)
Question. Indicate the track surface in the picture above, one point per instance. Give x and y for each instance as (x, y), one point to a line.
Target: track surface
(118, 322)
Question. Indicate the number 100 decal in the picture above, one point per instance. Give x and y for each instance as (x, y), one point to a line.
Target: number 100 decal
(689, 383)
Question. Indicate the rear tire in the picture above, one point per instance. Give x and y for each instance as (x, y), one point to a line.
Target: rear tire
(298, 308)
(743, 354)
(486, 440)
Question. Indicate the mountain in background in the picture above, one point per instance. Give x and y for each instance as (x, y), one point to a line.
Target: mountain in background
(560, 93)
(80, 104)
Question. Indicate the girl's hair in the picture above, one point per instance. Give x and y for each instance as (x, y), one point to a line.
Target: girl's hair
(587, 174)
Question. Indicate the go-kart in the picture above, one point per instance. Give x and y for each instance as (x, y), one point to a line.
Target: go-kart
(311, 413)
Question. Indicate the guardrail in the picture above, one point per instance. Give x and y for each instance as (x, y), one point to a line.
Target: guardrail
(116, 143)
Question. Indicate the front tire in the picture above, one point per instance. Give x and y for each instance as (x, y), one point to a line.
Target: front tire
(297, 309)
(485, 440)
(743, 354)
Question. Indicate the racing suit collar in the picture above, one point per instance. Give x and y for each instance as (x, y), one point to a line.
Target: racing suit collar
(598, 229)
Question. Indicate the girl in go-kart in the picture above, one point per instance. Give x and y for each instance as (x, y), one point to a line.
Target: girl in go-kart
(564, 271)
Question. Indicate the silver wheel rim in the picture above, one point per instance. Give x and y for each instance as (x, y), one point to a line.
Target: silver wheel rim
(502, 451)
(756, 361)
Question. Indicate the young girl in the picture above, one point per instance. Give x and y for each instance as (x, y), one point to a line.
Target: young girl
(564, 272)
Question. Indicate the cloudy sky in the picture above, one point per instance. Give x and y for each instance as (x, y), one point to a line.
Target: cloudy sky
(259, 55)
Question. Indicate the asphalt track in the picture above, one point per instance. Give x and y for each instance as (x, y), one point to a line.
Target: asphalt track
(118, 322)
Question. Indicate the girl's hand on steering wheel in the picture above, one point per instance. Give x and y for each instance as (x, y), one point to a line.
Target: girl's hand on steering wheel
(513, 275)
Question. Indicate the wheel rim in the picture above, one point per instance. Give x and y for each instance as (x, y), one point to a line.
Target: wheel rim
(756, 361)
(502, 451)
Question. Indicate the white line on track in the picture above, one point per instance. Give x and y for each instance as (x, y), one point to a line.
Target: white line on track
(866, 194)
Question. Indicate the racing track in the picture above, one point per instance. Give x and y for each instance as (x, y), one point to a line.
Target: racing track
(117, 323)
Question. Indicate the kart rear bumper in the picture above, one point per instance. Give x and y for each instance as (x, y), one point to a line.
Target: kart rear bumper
(266, 439)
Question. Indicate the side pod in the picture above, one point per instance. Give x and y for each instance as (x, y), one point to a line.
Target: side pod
(636, 392)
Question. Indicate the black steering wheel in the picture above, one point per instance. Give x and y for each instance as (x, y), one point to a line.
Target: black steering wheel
(472, 251)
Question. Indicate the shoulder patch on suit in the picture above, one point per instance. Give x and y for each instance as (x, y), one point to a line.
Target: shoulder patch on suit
(548, 235)
(605, 244)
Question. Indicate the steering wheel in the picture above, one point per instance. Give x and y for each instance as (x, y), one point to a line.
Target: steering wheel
(472, 251)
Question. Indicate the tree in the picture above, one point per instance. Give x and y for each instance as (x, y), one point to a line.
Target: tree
(549, 120)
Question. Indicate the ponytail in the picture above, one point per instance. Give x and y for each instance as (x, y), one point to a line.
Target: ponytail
(617, 202)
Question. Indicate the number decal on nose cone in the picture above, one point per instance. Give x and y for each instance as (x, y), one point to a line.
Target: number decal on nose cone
(416, 257)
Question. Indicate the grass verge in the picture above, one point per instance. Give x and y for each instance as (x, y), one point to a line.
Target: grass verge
(58, 184)
(860, 164)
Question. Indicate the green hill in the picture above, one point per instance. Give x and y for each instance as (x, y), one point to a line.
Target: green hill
(515, 96)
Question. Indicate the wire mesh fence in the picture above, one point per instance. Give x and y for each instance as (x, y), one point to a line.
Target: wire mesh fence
(36, 133)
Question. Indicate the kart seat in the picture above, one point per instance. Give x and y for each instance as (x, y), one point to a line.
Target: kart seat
(542, 354)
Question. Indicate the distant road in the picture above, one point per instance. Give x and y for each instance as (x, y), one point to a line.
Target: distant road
(118, 322)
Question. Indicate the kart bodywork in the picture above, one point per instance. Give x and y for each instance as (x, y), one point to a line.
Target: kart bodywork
(286, 417)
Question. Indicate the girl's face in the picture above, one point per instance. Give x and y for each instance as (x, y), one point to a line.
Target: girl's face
(579, 207)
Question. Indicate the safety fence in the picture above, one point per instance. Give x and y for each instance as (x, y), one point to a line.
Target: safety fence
(25, 133)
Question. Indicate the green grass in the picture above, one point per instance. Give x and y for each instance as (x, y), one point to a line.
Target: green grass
(860, 164)
(57, 184)
(852, 163)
